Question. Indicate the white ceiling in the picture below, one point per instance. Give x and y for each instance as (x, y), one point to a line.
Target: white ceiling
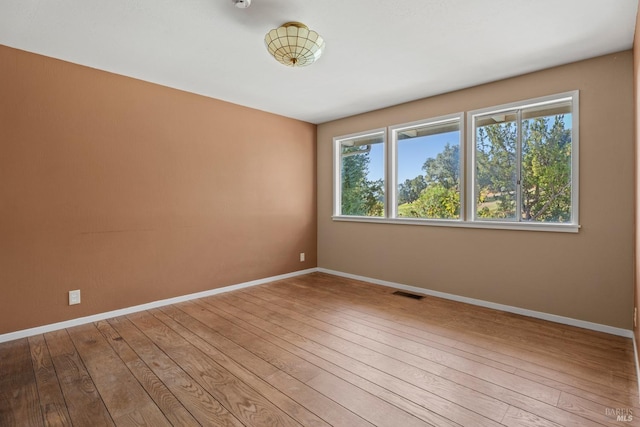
(379, 52)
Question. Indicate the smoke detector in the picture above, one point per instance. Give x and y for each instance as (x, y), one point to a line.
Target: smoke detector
(241, 4)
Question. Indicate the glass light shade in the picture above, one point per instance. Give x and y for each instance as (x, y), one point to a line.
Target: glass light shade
(294, 45)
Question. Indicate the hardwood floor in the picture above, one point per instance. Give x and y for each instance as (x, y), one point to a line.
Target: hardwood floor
(319, 350)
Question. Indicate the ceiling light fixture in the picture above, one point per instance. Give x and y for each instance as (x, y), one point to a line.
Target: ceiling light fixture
(294, 44)
(241, 4)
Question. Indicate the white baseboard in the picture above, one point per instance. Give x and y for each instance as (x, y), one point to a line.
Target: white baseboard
(517, 310)
(115, 313)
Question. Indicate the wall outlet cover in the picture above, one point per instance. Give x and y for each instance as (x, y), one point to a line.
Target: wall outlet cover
(74, 297)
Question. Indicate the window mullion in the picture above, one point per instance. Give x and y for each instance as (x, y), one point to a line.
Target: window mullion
(391, 170)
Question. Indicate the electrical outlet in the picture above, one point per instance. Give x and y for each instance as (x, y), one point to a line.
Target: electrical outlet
(74, 297)
(301, 256)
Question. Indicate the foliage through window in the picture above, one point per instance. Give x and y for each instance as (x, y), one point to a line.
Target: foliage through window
(523, 164)
(517, 169)
(362, 175)
(427, 169)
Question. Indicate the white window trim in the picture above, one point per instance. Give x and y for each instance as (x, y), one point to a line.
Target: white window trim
(337, 171)
(467, 172)
(496, 225)
(393, 162)
(573, 225)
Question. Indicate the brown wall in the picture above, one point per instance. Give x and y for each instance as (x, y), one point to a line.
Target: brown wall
(133, 192)
(586, 276)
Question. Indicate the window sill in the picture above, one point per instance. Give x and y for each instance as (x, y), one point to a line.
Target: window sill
(496, 225)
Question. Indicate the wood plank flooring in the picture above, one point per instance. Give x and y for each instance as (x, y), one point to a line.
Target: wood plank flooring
(319, 350)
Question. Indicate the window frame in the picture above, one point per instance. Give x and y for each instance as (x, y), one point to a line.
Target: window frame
(470, 215)
(467, 170)
(393, 163)
(337, 173)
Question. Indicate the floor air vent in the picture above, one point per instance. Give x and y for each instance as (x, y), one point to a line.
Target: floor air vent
(408, 295)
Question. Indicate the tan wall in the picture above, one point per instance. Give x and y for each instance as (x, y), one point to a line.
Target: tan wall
(636, 98)
(134, 192)
(587, 276)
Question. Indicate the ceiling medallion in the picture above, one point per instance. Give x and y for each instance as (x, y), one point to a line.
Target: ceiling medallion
(294, 44)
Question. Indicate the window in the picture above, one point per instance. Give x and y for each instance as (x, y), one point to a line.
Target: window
(517, 169)
(360, 181)
(427, 172)
(525, 163)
